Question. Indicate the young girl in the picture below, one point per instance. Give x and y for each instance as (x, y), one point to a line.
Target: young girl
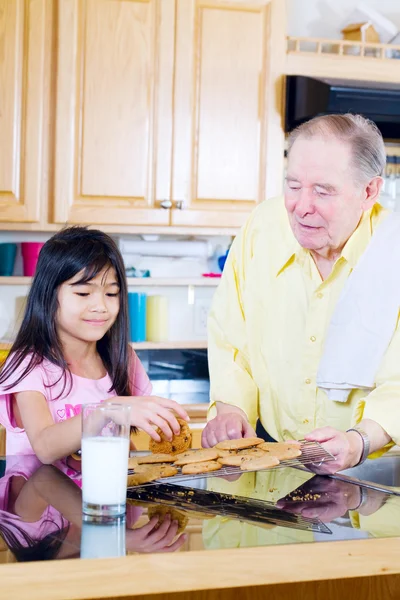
(72, 349)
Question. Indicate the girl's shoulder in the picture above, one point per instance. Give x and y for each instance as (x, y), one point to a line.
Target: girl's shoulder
(28, 374)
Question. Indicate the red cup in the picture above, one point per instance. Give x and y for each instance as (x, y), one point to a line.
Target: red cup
(30, 254)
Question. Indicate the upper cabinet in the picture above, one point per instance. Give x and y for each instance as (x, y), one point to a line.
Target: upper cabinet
(24, 83)
(226, 101)
(140, 113)
(113, 124)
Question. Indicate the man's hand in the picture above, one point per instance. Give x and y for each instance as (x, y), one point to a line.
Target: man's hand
(322, 498)
(346, 448)
(226, 426)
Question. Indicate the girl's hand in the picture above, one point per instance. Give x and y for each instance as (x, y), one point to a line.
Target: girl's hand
(151, 538)
(148, 411)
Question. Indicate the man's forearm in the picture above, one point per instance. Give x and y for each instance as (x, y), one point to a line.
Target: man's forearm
(378, 438)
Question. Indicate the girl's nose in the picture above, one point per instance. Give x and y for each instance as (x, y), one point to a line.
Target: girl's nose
(99, 304)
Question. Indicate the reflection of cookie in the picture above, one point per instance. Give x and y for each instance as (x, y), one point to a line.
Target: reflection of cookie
(197, 456)
(239, 444)
(281, 450)
(203, 467)
(150, 459)
(234, 460)
(179, 443)
(197, 514)
(162, 511)
(259, 463)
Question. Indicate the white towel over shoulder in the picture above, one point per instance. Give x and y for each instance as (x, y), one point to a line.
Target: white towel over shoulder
(365, 317)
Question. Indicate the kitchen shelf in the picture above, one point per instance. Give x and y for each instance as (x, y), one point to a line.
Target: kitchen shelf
(138, 281)
(173, 345)
(190, 345)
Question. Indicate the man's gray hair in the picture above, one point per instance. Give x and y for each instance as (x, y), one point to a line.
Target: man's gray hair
(365, 139)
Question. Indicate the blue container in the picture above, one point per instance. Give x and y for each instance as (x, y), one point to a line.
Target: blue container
(137, 317)
(8, 253)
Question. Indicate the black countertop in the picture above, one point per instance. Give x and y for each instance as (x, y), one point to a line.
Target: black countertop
(41, 519)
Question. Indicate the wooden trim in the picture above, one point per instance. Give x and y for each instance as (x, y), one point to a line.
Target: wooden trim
(337, 66)
(186, 572)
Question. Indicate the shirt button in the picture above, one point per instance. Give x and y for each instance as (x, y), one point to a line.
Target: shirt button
(320, 295)
(308, 381)
(313, 338)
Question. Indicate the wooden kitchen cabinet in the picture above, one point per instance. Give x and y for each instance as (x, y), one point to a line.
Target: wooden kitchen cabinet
(25, 35)
(165, 103)
(113, 108)
(227, 109)
(162, 114)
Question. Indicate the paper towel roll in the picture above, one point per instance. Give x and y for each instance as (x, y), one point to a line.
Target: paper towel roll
(200, 249)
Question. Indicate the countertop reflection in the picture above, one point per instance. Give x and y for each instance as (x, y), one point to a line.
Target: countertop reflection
(41, 511)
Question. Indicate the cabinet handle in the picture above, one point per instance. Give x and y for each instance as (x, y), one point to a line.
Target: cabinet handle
(180, 204)
(166, 204)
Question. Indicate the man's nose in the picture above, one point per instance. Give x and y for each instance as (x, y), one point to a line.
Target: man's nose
(304, 204)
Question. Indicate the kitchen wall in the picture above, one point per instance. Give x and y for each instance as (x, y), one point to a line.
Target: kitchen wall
(325, 18)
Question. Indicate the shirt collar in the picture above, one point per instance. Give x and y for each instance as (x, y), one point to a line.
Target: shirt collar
(352, 250)
(359, 240)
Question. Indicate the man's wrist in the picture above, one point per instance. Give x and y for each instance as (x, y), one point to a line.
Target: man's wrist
(356, 445)
(224, 408)
(365, 443)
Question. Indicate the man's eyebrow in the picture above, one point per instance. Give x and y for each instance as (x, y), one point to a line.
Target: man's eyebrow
(326, 186)
(291, 178)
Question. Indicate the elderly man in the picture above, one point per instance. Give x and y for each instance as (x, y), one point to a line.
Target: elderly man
(282, 280)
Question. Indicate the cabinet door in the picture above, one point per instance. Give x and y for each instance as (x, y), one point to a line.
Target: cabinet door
(24, 35)
(228, 100)
(113, 111)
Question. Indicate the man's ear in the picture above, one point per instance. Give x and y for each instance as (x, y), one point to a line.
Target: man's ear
(372, 191)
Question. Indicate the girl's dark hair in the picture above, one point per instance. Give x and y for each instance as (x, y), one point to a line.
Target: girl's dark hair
(67, 253)
(32, 549)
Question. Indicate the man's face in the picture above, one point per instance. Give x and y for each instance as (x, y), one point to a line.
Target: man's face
(322, 198)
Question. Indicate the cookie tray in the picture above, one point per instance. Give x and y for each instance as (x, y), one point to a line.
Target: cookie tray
(213, 504)
(312, 454)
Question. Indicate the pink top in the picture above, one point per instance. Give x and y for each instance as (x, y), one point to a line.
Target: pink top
(47, 379)
(51, 521)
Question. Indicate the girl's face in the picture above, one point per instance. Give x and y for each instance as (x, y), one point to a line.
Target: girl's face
(86, 311)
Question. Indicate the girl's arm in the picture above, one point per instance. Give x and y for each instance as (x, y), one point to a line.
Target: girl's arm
(50, 441)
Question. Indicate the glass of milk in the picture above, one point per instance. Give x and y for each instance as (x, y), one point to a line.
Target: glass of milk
(105, 453)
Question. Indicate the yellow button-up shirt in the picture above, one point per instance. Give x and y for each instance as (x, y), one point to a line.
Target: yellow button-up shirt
(267, 327)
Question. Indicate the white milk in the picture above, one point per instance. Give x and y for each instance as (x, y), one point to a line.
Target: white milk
(103, 541)
(104, 470)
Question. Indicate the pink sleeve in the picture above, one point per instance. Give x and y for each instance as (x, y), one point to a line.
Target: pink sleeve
(31, 383)
(141, 385)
